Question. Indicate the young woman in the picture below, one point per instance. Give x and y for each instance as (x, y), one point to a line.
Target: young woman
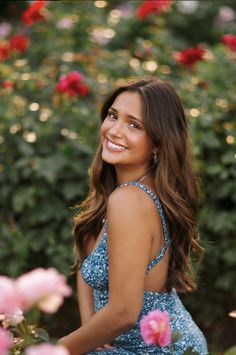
(137, 230)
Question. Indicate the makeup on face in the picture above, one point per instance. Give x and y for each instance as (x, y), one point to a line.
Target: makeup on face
(124, 137)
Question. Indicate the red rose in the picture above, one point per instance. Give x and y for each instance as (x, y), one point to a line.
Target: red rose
(152, 7)
(62, 84)
(32, 14)
(19, 43)
(189, 56)
(230, 41)
(7, 84)
(4, 52)
(72, 84)
(75, 76)
(83, 90)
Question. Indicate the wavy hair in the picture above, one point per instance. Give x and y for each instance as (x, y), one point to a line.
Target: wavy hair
(174, 177)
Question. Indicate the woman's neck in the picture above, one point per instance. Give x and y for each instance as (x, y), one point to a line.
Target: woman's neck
(134, 177)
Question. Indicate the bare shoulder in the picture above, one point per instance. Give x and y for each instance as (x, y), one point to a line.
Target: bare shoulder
(130, 200)
(130, 225)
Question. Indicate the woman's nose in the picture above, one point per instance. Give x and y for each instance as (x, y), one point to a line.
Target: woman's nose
(117, 128)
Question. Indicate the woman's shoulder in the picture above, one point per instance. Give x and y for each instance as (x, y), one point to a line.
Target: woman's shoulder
(130, 197)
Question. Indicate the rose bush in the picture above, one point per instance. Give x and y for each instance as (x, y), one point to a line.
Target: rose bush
(47, 138)
(40, 288)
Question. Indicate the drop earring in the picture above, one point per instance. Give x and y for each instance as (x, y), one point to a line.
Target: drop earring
(155, 158)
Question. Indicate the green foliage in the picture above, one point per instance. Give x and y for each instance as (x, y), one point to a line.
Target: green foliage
(205, 19)
(40, 182)
(213, 131)
(231, 351)
(48, 140)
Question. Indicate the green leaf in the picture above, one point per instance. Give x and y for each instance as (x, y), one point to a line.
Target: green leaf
(175, 336)
(33, 315)
(42, 334)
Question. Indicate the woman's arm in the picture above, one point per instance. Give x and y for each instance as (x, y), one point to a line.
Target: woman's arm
(84, 291)
(85, 299)
(129, 244)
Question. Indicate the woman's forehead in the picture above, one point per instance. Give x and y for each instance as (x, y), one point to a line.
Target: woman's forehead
(129, 103)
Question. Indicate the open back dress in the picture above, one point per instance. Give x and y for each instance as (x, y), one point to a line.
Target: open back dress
(94, 271)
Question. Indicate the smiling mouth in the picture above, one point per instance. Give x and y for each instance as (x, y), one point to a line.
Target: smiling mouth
(113, 146)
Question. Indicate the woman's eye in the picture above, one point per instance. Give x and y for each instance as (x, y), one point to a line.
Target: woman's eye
(134, 125)
(111, 115)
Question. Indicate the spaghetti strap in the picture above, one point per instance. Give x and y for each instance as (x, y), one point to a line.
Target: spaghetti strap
(158, 258)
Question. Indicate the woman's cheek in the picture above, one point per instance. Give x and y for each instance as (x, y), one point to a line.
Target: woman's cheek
(104, 127)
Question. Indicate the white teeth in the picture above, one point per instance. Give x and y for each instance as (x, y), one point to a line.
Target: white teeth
(114, 146)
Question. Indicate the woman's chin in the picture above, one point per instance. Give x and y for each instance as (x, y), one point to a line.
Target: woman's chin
(109, 160)
(109, 157)
(114, 157)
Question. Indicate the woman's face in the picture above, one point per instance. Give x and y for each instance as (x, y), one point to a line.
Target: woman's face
(123, 134)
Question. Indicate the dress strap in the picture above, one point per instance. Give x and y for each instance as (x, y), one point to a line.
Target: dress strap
(156, 260)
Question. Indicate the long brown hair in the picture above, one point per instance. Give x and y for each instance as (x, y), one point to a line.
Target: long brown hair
(175, 180)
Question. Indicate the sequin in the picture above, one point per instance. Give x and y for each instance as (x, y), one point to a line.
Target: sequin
(95, 272)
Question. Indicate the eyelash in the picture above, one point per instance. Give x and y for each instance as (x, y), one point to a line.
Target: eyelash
(135, 125)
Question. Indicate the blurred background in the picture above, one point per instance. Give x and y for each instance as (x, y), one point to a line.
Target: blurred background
(58, 60)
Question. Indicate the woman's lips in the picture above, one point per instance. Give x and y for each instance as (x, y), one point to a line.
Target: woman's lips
(114, 147)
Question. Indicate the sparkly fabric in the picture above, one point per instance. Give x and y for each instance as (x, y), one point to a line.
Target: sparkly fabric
(95, 272)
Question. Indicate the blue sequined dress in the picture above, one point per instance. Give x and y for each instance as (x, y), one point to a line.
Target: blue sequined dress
(94, 271)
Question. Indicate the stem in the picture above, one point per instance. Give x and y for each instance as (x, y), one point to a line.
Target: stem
(172, 350)
(23, 328)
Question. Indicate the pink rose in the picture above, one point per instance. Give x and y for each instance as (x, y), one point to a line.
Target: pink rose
(155, 328)
(6, 341)
(45, 288)
(9, 300)
(12, 319)
(46, 349)
(5, 29)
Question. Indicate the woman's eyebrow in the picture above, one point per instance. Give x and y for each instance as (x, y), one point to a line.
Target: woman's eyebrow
(130, 116)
